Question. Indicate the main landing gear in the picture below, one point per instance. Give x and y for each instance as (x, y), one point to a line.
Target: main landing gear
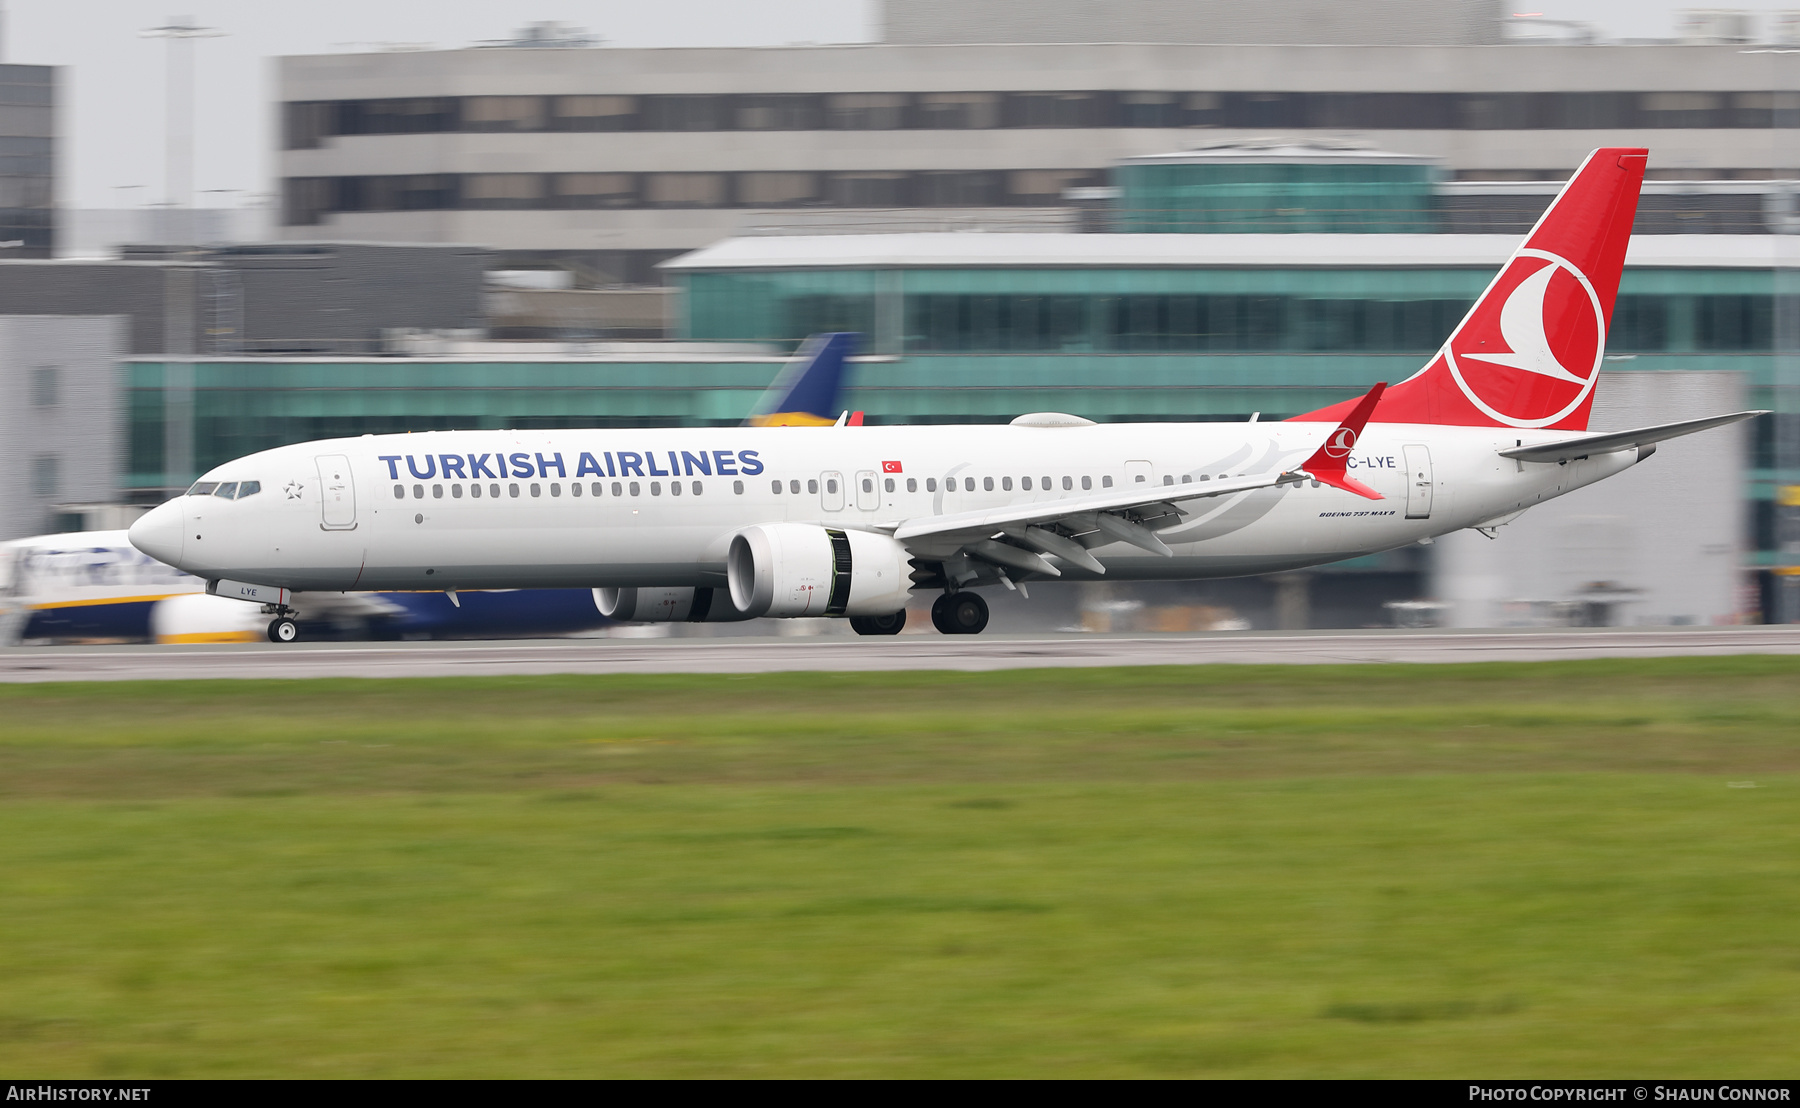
(879, 625)
(959, 613)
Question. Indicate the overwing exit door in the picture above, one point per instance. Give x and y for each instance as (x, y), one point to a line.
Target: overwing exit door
(337, 493)
(868, 495)
(831, 491)
(1418, 482)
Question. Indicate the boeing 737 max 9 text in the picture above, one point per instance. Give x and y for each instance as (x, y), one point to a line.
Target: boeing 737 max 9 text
(725, 524)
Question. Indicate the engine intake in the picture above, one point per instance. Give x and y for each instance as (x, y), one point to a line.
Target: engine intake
(801, 569)
(672, 604)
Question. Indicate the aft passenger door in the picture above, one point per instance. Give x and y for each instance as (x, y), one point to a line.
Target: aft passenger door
(831, 491)
(337, 493)
(1418, 482)
(868, 493)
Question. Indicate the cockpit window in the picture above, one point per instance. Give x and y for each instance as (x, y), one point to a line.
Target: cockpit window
(226, 491)
(248, 488)
(203, 488)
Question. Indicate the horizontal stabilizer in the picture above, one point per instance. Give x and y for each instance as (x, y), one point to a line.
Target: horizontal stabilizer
(1587, 445)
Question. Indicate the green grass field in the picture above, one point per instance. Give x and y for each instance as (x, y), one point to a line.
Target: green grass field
(1496, 870)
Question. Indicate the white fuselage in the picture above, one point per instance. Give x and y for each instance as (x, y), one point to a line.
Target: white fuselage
(381, 512)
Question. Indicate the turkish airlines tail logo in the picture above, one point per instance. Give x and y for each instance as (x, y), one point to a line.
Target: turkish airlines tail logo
(1528, 353)
(1524, 329)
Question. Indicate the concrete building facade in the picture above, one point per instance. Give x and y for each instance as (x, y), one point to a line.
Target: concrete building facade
(608, 161)
(62, 420)
(1372, 22)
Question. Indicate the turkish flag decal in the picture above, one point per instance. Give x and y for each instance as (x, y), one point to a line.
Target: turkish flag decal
(890, 467)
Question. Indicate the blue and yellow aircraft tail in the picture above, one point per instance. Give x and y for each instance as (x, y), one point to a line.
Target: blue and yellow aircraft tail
(805, 392)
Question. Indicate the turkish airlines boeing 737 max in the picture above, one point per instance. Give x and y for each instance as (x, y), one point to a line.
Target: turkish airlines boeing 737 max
(727, 524)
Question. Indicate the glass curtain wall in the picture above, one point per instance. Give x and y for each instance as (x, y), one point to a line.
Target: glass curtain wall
(1197, 311)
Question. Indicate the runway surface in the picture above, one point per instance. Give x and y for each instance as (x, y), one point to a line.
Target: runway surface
(836, 654)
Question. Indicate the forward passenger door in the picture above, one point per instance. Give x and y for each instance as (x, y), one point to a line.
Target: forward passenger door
(337, 493)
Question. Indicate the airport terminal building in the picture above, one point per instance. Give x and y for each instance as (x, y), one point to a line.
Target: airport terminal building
(609, 161)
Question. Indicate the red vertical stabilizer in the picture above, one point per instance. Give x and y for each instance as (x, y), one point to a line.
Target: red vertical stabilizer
(1528, 353)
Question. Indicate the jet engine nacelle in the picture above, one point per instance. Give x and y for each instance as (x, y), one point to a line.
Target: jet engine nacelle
(667, 605)
(802, 569)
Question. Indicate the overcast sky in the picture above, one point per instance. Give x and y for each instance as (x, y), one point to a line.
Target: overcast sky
(113, 96)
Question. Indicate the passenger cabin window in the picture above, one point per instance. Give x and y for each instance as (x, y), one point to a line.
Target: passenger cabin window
(674, 488)
(775, 485)
(536, 489)
(1106, 482)
(1025, 483)
(737, 487)
(931, 484)
(1006, 484)
(512, 489)
(494, 490)
(912, 484)
(812, 486)
(418, 492)
(399, 492)
(475, 491)
(1068, 483)
(456, 491)
(969, 484)
(889, 484)
(635, 488)
(556, 488)
(574, 488)
(1087, 483)
(596, 489)
(794, 487)
(1168, 478)
(697, 487)
(656, 488)
(437, 492)
(987, 484)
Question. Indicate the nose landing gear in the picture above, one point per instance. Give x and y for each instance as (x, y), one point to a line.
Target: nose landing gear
(959, 613)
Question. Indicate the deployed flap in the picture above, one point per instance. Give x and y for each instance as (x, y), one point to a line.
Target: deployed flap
(986, 521)
(1570, 449)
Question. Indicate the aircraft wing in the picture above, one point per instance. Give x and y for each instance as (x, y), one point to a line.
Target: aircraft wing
(1017, 536)
(1605, 443)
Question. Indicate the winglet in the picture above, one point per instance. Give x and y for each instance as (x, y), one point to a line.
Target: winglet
(1330, 463)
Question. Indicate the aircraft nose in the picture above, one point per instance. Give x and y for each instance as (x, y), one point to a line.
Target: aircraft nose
(159, 532)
